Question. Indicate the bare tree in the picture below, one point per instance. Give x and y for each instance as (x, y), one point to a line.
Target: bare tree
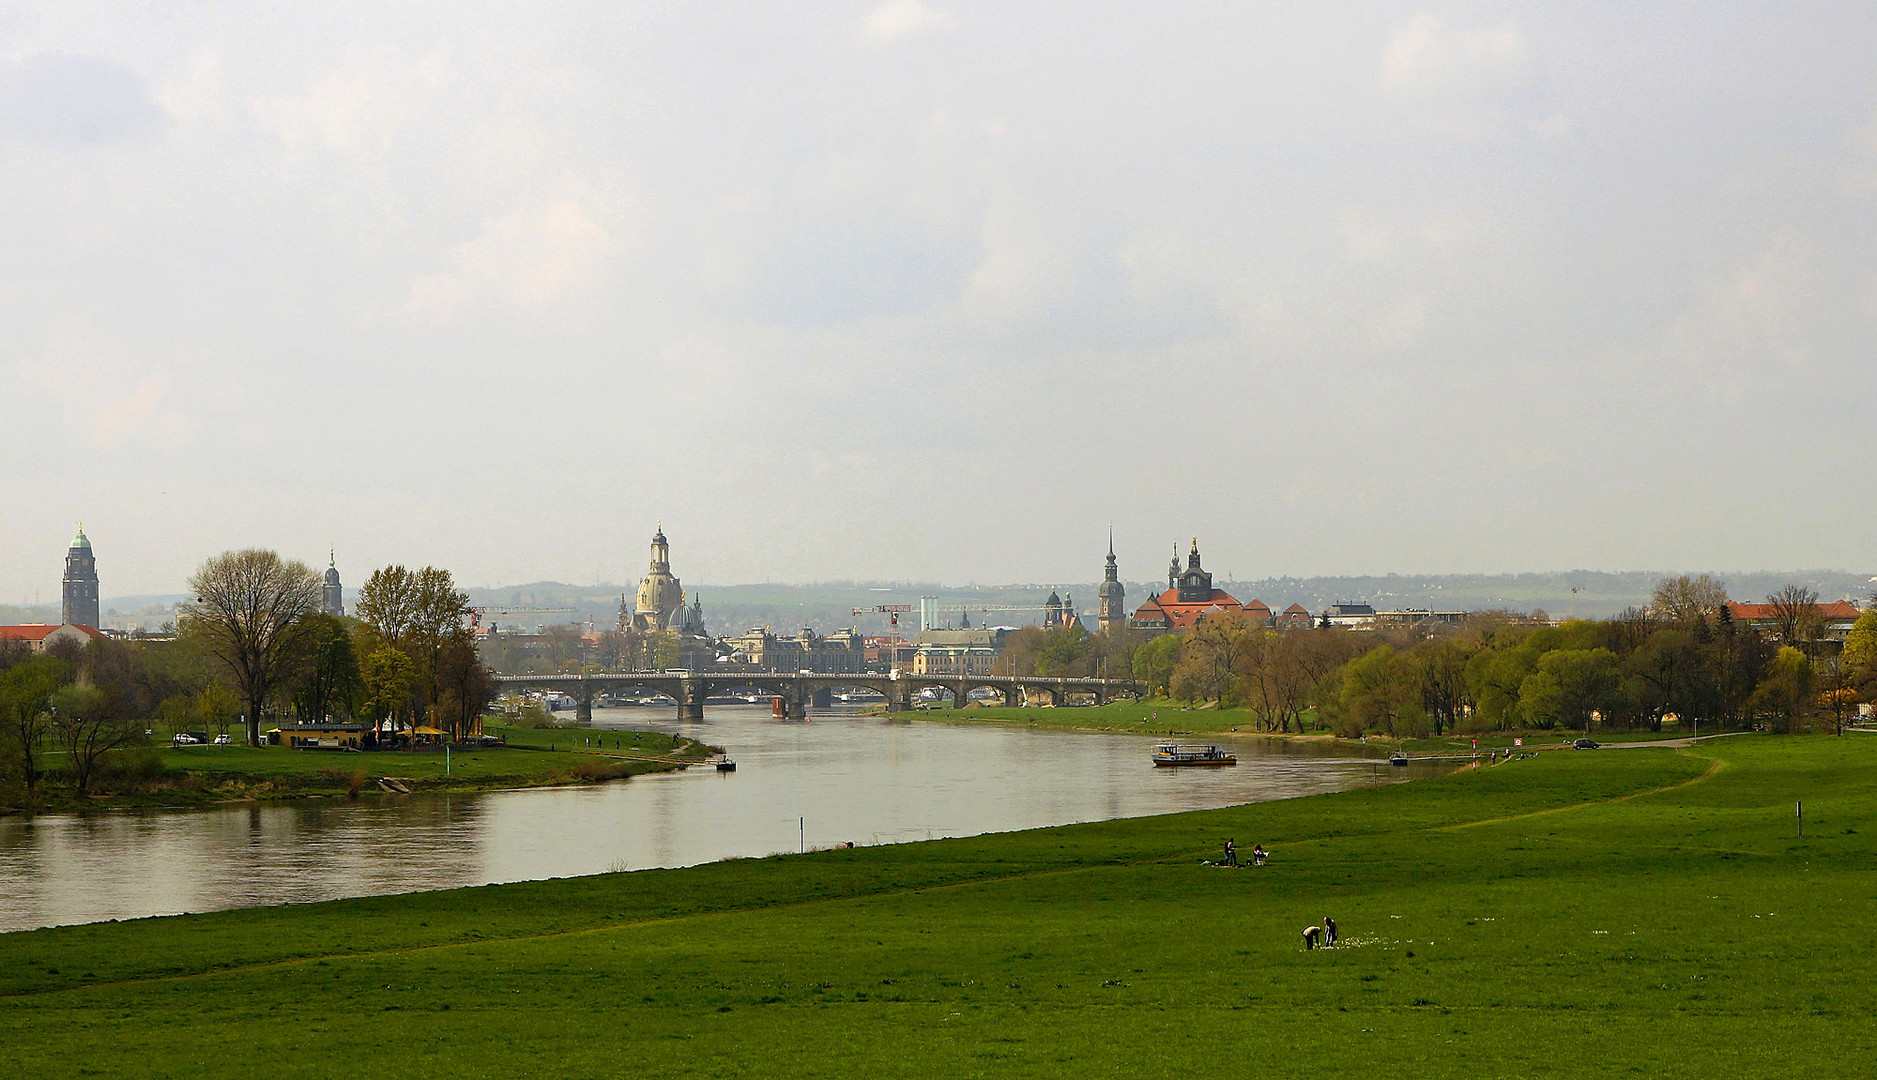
(247, 614)
(1795, 611)
(89, 728)
(1683, 599)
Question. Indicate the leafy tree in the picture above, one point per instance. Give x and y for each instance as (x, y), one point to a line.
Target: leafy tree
(1066, 651)
(247, 615)
(1381, 691)
(1572, 685)
(329, 681)
(1440, 668)
(1153, 663)
(26, 692)
(466, 688)
(387, 676)
(89, 725)
(1209, 659)
(1785, 693)
(420, 613)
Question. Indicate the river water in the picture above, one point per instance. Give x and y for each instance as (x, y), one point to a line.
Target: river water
(837, 778)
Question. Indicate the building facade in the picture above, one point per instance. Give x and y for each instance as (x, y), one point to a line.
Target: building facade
(79, 606)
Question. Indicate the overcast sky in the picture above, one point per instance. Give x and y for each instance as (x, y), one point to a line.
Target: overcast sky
(934, 290)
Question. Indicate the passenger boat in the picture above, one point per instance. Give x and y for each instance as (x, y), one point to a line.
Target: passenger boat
(1180, 754)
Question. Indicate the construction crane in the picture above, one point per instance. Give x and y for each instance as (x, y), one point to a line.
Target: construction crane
(928, 607)
(477, 612)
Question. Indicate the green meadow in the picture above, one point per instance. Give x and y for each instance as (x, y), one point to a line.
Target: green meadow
(1646, 911)
(183, 776)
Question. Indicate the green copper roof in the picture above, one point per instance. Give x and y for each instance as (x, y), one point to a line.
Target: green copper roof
(80, 541)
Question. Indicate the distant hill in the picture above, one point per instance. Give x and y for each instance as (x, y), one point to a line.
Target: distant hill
(830, 605)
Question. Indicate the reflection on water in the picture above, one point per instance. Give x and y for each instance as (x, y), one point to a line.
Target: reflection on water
(840, 777)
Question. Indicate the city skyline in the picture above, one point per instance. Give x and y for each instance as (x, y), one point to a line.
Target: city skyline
(907, 290)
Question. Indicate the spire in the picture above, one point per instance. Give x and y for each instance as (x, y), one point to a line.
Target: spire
(1111, 543)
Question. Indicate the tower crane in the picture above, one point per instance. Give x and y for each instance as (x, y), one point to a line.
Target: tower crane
(928, 607)
(476, 612)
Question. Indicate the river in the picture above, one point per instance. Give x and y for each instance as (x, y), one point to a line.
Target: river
(840, 777)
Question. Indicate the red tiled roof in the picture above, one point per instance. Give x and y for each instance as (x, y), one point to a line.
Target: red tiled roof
(1295, 608)
(1837, 609)
(38, 632)
(1181, 616)
(1258, 605)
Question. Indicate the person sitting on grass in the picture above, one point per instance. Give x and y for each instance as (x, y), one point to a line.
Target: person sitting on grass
(1257, 854)
(1310, 936)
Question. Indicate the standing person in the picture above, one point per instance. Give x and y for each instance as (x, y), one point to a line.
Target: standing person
(1257, 854)
(1310, 935)
(1231, 852)
(1329, 930)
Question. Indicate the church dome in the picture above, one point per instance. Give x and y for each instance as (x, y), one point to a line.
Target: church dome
(81, 540)
(332, 575)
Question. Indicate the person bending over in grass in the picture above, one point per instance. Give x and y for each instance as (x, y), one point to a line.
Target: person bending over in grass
(1310, 936)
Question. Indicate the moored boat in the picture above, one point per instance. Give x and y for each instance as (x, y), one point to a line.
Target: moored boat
(1191, 754)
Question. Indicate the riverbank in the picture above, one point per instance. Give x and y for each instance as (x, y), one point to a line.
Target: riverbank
(1566, 914)
(1167, 718)
(183, 777)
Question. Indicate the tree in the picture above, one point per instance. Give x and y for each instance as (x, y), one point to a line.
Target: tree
(1209, 659)
(1683, 599)
(329, 680)
(88, 725)
(466, 688)
(1795, 614)
(247, 615)
(1440, 667)
(26, 692)
(1067, 650)
(1381, 691)
(387, 676)
(1153, 663)
(419, 612)
(1785, 694)
(1570, 686)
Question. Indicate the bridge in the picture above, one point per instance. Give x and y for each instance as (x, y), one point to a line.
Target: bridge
(689, 690)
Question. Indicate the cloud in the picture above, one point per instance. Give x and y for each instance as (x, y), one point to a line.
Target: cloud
(1424, 56)
(356, 109)
(899, 19)
(58, 100)
(547, 261)
(108, 393)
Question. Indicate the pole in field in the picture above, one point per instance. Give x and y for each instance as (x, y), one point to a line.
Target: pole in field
(802, 846)
(1798, 811)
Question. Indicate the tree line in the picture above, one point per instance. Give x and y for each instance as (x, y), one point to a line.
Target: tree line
(1681, 657)
(252, 645)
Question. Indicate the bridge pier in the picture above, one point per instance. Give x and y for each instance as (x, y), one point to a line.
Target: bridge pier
(583, 712)
(898, 696)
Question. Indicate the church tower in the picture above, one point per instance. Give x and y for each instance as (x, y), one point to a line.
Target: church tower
(1195, 584)
(660, 594)
(80, 605)
(1111, 613)
(331, 592)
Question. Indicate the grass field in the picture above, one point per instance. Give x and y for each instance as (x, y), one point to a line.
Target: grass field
(206, 775)
(1572, 914)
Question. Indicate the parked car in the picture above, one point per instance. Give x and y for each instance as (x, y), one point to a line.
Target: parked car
(1586, 744)
(221, 740)
(184, 739)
